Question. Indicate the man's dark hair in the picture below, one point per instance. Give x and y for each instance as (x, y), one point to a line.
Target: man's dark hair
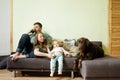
(38, 23)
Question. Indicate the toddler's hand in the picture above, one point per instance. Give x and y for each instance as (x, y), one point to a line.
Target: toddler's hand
(67, 55)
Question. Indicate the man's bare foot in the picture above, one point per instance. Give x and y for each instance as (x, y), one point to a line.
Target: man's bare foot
(15, 56)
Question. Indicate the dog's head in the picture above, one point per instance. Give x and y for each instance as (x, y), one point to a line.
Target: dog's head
(83, 43)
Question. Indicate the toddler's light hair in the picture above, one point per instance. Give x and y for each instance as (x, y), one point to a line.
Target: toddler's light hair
(59, 42)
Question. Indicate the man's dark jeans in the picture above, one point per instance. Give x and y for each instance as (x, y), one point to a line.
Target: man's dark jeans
(24, 45)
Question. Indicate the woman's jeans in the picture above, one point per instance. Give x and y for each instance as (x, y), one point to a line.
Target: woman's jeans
(24, 45)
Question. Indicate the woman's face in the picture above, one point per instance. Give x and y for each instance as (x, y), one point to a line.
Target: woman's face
(40, 37)
(37, 28)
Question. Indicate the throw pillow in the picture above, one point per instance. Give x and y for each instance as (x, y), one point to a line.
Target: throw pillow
(71, 48)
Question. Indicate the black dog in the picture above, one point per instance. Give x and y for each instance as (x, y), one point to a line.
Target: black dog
(88, 51)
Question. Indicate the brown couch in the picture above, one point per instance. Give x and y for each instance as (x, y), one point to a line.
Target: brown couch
(42, 64)
(106, 68)
(37, 64)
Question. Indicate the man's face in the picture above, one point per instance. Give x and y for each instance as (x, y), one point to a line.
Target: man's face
(37, 28)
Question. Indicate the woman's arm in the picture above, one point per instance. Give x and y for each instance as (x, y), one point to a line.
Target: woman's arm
(38, 53)
(48, 50)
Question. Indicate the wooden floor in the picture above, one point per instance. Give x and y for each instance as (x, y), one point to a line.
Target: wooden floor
(7, 75)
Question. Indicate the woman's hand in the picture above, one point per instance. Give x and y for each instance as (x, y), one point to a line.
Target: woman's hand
(50, 56)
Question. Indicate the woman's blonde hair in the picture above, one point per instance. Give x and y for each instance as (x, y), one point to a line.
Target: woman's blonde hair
(36, 42)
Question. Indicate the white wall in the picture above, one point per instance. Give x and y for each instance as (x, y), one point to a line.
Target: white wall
(63, 18)
(4, 27)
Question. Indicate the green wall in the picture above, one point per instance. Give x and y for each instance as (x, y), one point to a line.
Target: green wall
(62, 19)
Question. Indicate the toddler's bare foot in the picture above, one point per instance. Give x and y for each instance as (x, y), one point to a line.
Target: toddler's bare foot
(51, 75)
(59, 73)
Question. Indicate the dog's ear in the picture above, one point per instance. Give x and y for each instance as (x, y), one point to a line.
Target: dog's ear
(87, 42)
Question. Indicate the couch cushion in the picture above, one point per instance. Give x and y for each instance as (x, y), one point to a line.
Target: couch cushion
(29, 63)
(101, 67)
(37, 63)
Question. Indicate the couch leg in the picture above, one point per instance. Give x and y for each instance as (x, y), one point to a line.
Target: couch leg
(14, 73)
(72, 74)
(23, 74)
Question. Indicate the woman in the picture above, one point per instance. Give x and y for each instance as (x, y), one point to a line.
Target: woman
(26, 41)
(40, 47)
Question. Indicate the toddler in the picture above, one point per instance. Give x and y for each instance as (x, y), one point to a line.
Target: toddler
(57, 52)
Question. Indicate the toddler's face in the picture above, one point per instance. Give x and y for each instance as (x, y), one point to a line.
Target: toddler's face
(55, 44)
